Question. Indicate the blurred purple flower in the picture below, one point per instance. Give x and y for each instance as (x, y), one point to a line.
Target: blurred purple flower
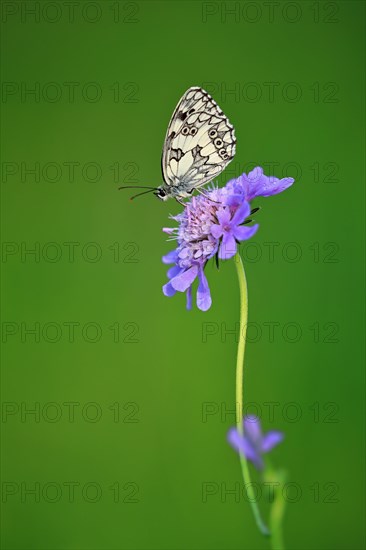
(213, 224)
(252, 443)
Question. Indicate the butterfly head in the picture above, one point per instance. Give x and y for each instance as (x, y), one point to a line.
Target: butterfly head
(161, 194)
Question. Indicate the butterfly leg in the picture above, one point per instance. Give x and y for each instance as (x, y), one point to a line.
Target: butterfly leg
(180, 202)
(207, 196)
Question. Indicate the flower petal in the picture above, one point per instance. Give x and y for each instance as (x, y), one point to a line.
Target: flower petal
(270, 440)
(170, 258)
(255, 175)
(241, 444)
(232, 184)
(184, 280)
(223, 215)
(250, 183)
(234, 200)
(228, 247)
(216, 231)
(168, 290)
(252, 429)
(189, 298)
(184, 252)
(260, 185)
(275, 186)
(173, 271)
(241, 213)
(245, 232)
(204, 300)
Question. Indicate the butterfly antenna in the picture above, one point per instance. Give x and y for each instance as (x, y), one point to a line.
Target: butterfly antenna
(137, 187)
(143, 193)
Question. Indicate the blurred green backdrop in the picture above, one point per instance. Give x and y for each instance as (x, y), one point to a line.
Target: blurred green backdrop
(132, 396)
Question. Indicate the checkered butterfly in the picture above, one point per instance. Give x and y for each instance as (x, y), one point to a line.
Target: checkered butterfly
(199, 144)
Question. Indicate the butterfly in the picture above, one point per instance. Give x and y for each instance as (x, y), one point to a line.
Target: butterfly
(199, 144)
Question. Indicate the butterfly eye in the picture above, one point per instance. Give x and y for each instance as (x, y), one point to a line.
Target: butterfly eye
(193, 131)
(185, 131)
(212, 133)
(218, 142)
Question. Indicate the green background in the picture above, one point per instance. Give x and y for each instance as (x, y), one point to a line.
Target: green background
(160, 370)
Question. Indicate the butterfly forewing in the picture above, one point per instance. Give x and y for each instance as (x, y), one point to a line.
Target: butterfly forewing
(199, 143)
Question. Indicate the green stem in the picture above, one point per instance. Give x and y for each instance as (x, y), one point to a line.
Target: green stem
(239, 389)
(278, 507)
(276, 517)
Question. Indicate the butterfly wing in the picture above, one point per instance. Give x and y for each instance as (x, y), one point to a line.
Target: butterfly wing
(199, 143)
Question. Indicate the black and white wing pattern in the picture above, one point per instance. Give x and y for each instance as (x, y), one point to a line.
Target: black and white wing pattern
(199, 143)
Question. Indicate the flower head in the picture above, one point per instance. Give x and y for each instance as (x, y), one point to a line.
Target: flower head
(213, 224)
(252, 443)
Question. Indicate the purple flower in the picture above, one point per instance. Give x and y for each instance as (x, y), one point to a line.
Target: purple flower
(213, 224)
(229, 227)
(256, 184)
(252, 443)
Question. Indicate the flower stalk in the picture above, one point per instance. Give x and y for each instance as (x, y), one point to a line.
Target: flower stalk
(240, 389)
(277, 479)
(276, 519)
(212, 225)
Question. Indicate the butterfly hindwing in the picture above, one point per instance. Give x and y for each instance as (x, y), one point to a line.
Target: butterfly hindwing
(199, 143)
